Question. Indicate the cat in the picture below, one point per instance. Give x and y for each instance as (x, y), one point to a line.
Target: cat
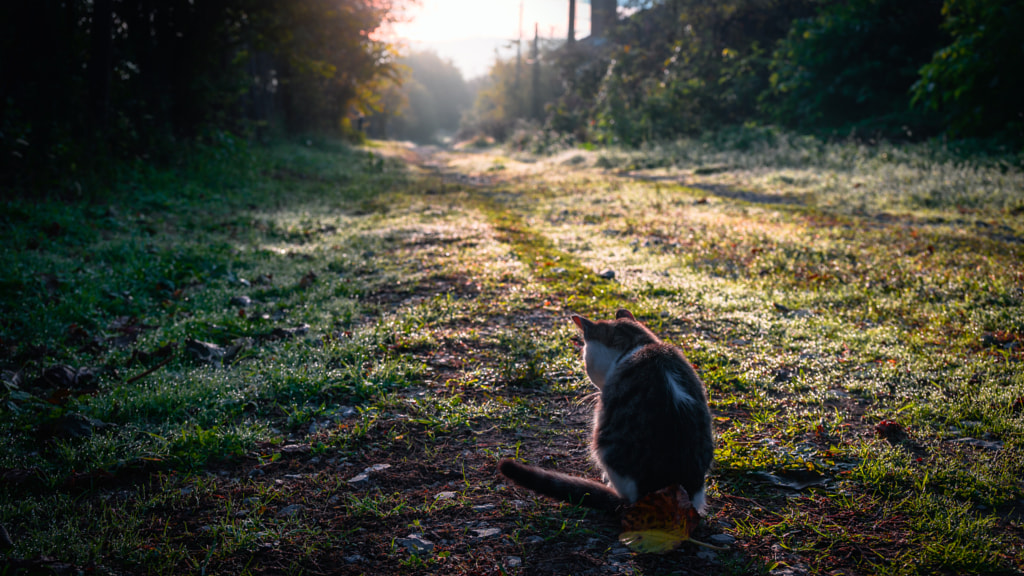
(652, 425)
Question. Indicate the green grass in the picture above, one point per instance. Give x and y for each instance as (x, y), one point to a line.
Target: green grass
(819, 288)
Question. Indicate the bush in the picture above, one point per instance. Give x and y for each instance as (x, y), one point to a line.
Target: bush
(975, 82)
(853, 64)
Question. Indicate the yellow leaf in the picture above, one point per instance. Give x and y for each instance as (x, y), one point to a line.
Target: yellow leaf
(654, 541)
(659, 522)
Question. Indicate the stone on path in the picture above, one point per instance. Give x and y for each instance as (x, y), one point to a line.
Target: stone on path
(416, 544)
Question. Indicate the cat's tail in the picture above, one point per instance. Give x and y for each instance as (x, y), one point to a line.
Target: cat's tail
(572, 489)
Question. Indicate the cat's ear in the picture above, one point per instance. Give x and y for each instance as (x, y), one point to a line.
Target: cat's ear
(581, 322)
(623, 313)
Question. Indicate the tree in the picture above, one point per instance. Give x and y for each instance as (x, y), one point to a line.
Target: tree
(975, 81)
(88, 80)
(852, 63)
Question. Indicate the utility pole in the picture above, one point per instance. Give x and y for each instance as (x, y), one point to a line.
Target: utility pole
(519, 63)
(572, 22)
(535, 56)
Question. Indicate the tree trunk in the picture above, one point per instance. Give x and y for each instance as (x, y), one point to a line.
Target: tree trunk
(101, 58)
(602, 17)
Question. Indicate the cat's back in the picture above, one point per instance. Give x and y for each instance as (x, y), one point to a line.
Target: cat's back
(654, 421)
(656, 375)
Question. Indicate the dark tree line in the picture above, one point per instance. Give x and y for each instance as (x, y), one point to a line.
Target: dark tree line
(86, 81)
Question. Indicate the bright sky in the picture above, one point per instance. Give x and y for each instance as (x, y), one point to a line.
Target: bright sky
(468, 31)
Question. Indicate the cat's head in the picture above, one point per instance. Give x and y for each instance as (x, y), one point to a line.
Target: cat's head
(605, 342)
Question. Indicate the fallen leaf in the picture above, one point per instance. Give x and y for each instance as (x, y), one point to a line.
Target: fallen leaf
(307, 280)
(890, 430)
(284, 333)
(160, 353)
(62, 376)
(5, 539)
(72, 425)
(977, 443)
(660, 521)
(1018, 405)
(75, 334)
(792, 479)
(20, 477)
(128, 328)
(654, 541)
(51, 283)
(207, 353)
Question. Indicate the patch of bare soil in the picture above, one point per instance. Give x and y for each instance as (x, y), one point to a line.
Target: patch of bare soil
(446, 496)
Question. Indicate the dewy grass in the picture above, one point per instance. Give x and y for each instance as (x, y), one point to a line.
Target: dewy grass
(419, 318)
(827, 306)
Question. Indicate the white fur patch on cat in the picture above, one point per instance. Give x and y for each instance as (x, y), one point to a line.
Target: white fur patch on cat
(602, 361)
(698, 501)
(679, 394)
(624, 485)
(598, 360)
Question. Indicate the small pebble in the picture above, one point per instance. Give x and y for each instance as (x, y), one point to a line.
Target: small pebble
(241, 301)
(291, 510)
(722, 539)
(707, 555)
(359, 480)
(486, 532)
(513, 561)
(416, 543)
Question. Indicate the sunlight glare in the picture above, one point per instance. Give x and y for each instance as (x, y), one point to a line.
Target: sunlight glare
(449, 20)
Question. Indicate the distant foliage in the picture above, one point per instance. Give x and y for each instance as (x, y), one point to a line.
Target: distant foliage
(505, 97)
(675, 67)
(977, 81)
(685, 66)
(873, 68)
(852, 63)
(85, 82)
(431, 99)
(328, 62)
